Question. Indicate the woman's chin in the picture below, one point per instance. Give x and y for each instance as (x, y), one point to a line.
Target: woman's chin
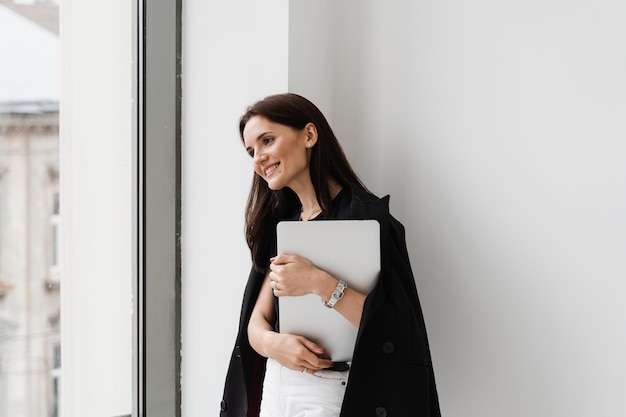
(275, 186)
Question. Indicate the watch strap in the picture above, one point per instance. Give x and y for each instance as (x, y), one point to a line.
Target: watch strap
(336, 295)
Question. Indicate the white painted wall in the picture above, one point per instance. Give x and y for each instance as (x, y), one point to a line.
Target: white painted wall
(312, 64)
(497, 127)
(234, 53)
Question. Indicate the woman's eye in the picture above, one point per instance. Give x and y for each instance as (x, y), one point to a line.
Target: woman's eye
(251, 153)
(268, 140)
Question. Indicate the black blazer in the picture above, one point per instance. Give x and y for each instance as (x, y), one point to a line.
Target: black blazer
(392, 372)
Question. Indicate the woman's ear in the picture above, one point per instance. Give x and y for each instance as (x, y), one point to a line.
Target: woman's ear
(311, 135)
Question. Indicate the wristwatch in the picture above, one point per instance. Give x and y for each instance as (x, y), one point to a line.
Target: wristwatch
(337, 294)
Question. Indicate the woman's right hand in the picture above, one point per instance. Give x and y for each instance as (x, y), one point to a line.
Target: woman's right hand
(295, 352)
(292, 351)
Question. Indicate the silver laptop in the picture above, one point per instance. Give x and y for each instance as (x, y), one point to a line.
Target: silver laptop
(346, 249)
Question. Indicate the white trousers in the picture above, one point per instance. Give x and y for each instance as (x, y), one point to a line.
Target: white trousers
(289, 393)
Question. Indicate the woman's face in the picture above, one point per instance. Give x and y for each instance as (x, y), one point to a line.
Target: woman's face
(280, 153)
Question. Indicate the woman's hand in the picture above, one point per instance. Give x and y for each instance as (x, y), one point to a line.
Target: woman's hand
(292, 275)
(295, 352)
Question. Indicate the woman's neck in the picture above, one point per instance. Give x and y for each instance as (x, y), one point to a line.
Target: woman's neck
(309, 202)
(310, 207)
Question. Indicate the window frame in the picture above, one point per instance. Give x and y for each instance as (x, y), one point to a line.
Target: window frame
(157, 208)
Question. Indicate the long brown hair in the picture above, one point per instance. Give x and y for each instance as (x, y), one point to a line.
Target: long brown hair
(266, 207)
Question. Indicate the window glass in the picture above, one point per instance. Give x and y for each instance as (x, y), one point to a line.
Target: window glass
(30, 215)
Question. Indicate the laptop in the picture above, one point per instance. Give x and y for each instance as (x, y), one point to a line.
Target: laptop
(346, 249)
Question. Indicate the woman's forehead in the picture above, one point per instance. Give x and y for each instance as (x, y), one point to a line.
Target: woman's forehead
(255, 127)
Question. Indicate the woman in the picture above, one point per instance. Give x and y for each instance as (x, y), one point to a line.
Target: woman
(301, 173)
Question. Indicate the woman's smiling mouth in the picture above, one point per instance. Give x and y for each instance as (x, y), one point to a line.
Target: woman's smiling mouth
(271, 168)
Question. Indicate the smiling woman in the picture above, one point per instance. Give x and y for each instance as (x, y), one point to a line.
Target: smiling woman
(301, 170)
(317, 168)
(281, 153)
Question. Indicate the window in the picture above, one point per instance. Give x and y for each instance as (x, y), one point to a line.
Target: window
(130, 216)
(95, 348)
(29, 216)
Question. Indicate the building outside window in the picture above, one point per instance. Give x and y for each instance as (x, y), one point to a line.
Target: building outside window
(30, 368)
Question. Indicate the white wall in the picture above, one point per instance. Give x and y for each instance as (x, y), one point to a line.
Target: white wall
(497, 127)
(96, 208)
(311, 52)
(235, 52)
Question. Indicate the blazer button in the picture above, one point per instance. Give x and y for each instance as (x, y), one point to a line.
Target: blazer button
(381, 412)
(388, 347)
(238, 351)
(223, 406)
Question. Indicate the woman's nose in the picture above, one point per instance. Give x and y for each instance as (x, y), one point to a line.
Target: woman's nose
(259, 158)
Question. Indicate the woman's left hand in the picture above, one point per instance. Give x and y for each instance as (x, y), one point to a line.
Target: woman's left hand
(293, 275)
